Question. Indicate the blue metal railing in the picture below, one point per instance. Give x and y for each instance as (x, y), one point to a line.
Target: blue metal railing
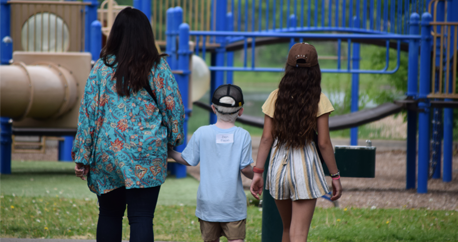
(201, 50)
(376, 15)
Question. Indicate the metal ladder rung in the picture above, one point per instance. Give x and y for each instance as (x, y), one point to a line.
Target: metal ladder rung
(443, 95)
(41, 144)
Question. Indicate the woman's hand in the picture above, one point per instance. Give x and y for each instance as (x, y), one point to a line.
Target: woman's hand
(170, 151)
(256, 185)
(336, 189)
(81, 170)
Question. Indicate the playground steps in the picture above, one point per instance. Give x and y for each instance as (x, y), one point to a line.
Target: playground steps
(25, 145)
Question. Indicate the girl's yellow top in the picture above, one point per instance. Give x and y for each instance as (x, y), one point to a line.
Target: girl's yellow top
(324, 106)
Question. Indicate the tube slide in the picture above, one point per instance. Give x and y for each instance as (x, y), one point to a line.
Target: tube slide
(42, 91)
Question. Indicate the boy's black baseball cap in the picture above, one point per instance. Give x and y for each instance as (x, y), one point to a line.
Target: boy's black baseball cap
(228, 90)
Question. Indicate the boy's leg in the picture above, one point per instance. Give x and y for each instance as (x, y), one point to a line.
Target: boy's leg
(234, 231)
(285, 208)
(210, 231)
(301, 219)
(141, 204)
(111, 211)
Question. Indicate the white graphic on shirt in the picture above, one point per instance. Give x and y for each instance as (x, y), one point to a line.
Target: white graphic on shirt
(224, 138)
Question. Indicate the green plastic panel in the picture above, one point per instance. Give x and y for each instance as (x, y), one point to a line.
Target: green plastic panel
(355, 161)
(272, 226)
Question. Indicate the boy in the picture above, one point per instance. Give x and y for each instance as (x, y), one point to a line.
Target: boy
(223, 151)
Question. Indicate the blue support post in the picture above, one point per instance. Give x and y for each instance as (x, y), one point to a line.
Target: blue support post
(221, 6)
(292, 22)
(230, 54)
(6, 43)
(170, 38)
(6, 54)
(174, 20)
(448, 112)
(91, 16)
(355, 85)
(5, 145)
(412, 89)
(96, 39)
(146, 9)
(6, 50)
(94, 46)
(177, 20)
(437, 112)
(424, 116)
(448, 145)
(183, 83)
(437, 143)
(65, 149)
(138, 5)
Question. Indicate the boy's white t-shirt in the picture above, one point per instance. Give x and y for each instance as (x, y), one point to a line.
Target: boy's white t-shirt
(222, 154)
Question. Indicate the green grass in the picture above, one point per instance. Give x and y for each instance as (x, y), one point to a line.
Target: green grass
(51, 217)
(58, 180)
(383, 225)
(69, 210)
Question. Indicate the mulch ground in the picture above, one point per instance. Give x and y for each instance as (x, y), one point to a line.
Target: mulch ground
(388, 188)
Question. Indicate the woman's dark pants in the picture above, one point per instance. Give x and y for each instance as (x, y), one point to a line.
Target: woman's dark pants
(141, 204)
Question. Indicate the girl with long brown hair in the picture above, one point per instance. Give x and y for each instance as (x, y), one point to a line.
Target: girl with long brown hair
(293, 114)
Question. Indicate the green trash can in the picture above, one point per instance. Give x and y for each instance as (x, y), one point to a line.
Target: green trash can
(354, 161)
(272, 226)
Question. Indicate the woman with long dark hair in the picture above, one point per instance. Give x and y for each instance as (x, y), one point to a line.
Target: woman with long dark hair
(131, 111)
(293, 113)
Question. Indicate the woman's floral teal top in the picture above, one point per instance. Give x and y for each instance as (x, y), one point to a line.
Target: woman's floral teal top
(124, 139)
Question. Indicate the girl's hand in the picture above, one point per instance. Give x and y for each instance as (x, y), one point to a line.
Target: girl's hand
(256, 185)
(81, 170)
(336, 189)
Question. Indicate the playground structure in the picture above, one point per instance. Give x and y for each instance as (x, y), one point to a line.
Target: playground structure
(239, 25)
(43, 35)
(47, 44)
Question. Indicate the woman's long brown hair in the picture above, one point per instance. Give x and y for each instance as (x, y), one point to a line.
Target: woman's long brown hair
(297, 106)
(131, 43)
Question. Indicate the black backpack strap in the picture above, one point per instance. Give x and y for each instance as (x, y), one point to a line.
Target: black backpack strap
(150, 91)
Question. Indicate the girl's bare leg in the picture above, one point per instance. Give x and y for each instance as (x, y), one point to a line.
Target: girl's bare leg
(284, 208)
(302, 213)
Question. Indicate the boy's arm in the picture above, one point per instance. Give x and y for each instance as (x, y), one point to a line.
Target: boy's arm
(248, 172)
(177, 157)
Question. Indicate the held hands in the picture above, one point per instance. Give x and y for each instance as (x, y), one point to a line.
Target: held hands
(81, 170)
(336, 189)
(170, 151)
(256, 185)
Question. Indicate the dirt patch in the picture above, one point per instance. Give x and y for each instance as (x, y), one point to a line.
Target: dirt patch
(387, 189)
